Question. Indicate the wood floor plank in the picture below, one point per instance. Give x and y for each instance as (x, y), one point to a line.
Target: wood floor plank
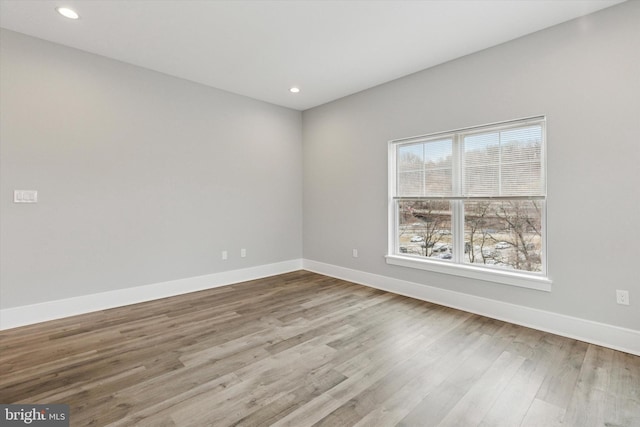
(435, 407)
(542, 413)
(480, 397)
(592, 392)
(320, 407)
(560, 383)
(301, 349)
(512, 405)
(264, 382)
(625, 386)
(424, 382)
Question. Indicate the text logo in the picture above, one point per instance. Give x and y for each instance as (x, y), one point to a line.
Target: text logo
(34, 415)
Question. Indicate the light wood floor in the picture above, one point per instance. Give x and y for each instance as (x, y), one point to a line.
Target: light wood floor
(302, 349)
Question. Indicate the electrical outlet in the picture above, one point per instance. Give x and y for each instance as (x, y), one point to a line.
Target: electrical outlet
(25, 196)
(243, 253)
(622, 297)
(354, 252)
(225, 255)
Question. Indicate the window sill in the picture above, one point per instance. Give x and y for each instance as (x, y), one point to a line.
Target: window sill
(539, 283)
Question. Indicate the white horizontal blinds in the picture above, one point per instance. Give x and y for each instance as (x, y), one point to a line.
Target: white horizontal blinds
(503, 163)
(481, 164)
(424, 169)
(521, 166)
(410, 169)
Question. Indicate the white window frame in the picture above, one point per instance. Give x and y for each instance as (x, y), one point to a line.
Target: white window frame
(456, 266)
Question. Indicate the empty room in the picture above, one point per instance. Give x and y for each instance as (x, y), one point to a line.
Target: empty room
(320, 213)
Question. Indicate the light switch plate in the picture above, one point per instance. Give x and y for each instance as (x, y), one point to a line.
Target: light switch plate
(25, 196)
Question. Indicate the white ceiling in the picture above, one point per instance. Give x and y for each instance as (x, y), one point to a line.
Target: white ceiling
(260, 48)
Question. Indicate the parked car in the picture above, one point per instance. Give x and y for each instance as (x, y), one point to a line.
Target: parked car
(440, 247)
(417, 239)
(488, 253)
(502, 245)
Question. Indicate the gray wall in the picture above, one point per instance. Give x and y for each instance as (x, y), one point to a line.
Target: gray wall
(142, 177)
(583, 75)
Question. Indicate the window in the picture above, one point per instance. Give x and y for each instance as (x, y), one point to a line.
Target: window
(472, 202)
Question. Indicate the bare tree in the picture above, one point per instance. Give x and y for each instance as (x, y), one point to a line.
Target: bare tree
(432, 217)
(522, 218)
(435, 215)
(476, 223)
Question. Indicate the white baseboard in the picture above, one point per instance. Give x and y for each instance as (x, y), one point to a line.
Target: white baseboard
(50, 310)
(615, 337)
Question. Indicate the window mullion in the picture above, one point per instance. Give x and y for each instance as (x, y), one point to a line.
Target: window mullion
(457, 212)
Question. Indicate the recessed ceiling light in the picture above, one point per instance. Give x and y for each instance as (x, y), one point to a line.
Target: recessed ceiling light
(294, 90)
(68, 13)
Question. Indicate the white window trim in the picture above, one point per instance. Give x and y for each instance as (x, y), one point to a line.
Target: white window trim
(530, 280)
(505, 277)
